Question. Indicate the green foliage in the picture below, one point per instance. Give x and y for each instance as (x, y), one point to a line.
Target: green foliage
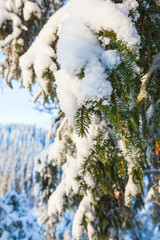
(148, 26)
(128, 120)
(81, 74)
(82, 121)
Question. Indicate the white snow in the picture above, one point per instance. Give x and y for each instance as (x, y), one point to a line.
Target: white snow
(110, 59)
(29, 9)
(78, 50)
(131, 189)
(70, 47)
(86, 210)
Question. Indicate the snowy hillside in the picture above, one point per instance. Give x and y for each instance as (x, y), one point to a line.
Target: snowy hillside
(19, 145)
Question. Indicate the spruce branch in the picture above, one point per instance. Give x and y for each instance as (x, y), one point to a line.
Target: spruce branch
(82, 121)
(118, 118)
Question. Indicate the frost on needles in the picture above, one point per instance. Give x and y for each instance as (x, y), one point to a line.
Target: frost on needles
(100, 60)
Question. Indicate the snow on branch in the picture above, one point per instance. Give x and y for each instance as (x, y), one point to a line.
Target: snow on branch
(68, 45)
(20, 22)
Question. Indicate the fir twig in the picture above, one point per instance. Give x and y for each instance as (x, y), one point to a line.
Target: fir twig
(118, 119)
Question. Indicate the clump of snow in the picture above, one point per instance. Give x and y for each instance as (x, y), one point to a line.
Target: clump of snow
(132, 4)
(77, 44)
(18, 3)
(143, 92)
(95, 85)
(105, 40)
(78, 50)
(86, 210)
(20, 19)
(56, 200)
(110, 58)
(131, 189)
(68, 91)
(6, 15)
(29, 9)
(153, 190)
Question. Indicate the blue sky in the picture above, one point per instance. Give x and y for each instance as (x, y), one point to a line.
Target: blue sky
(16, 106)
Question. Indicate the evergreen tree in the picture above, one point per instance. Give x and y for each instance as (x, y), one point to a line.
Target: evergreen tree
(101, 60)
(19, 147)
